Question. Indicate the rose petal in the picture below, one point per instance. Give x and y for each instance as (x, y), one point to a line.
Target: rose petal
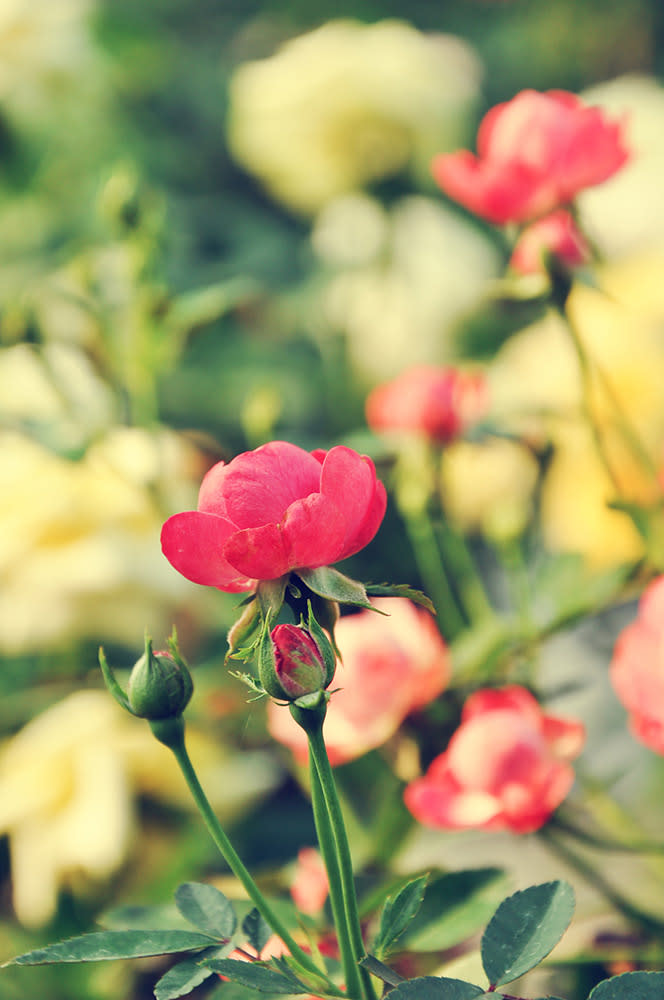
(258, 552)
(314, 530)
(193, 543)
(349, 480)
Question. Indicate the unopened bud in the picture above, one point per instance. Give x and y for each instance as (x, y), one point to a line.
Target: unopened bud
(298, 662)
(160, 685)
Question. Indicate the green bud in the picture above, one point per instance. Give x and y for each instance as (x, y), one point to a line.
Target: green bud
(160, 684)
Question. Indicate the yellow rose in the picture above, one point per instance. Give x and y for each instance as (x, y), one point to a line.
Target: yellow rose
(346, 104)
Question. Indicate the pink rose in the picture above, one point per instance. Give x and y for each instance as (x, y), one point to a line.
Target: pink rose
(555, 235)
(390, 667)
(309, 888)
(276, 509)
(506, 767)
(535, 153)
(437, 402)
(637, 668)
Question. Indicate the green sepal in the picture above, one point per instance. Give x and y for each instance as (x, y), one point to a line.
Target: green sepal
(267, 673)
(324, 645)
(270, 596)
(400, 590)
(330, 583)
(112, 683)
(242, 637)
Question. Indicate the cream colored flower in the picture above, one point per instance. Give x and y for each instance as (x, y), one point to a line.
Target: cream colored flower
(422, 268)
(488, 485)
(79, 540)
(537, 389)
(346, 104)
(626, 214)
(64, 801)
(41, 45)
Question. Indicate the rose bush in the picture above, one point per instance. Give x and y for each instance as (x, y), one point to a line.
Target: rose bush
(535, 153)
(436, 402)
(272, 510)
(390, 667)
(637, 668)
(506, 767)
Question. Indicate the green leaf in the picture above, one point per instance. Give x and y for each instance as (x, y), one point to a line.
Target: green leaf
(330, 583)
(435, 988)
(381, 971)
(105, 945)
(206, 908)
(164, 917)
(455, 906)
(257, 929)
(397, 914)
(400, 590)
(257, 976)
(630, 986)
(524, 929)
(186, 975)
(270, 595)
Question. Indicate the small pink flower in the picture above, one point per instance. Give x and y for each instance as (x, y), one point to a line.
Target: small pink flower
(439, 403)
(535, 153)
(637, 668)
(276, 509)
(390, 667)
(310, 887)
(555, 235)
(506, 767)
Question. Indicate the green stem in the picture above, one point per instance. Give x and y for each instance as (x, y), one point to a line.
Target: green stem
(175, 742)
(334, 816)
(628, 909)
(471, 589)
(432, 570)
(328, 852)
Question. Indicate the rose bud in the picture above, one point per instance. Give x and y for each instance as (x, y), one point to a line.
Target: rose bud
(160, 685)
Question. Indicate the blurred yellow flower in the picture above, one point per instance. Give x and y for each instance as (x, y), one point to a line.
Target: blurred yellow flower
(399, 281)
(64, 801)
(487, 486)
(537, 389)
(68, 781)
(79, 540)
(626, 213)
(349, 103)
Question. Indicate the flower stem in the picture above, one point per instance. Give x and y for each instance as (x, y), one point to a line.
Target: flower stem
(176, 744)
(328, 851)
(337, 831)
(432, 570)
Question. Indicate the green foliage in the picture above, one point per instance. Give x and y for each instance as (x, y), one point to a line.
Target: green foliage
(330, 583)
(630, 986)
(258, 976)
(400, 590)
(397, 914)
(108, 945)
(257, 930)
(524, 929)
(206, 908)
(436, 988)
(455, 905)
(186, 975)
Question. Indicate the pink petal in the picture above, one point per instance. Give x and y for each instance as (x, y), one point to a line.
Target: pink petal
(258, 552)
(444, 804)
(194, 542)
(257, 487)
(314, 531)
(349, 481)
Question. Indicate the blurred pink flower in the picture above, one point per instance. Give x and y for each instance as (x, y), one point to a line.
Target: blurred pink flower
(390, 667)
(309, 888)
(637, 668)
(555, 235)
(272, 510)
(535, 153)
(437, 402)
(506, 767)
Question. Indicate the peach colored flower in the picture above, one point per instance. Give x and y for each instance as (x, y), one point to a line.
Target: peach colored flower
(436, 402)
(390, 667)
(506, 767)
(309, 887)
(637, 668)
(535, 153)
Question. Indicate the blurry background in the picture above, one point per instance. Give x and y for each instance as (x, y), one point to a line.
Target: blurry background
(218, 228)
